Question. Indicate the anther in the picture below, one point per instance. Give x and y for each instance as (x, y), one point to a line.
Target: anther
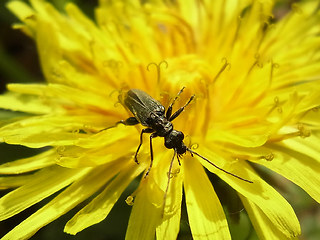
(303, 131)
(158, 67)
(130, 200)
(225, 65)
(268, 157)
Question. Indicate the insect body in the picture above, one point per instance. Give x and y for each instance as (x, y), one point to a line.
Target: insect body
(151, 114)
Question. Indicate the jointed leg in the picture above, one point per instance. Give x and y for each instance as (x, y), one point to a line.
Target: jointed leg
(128, 122)
(180, 110)
(169, 111)
(151, 153)
(146, 130)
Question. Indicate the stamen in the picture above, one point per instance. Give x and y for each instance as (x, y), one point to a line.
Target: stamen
(237, 31)
(175, 172)
(225, 65)
(130, 200)
(253, 65)
(194, 146)
(281, 137)
(268, 157)
(273, 66)
(302, 132)
(275, 106)
(158, 67)
(60, 150)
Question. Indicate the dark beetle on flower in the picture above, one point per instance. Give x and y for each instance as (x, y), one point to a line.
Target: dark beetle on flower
(150, 113)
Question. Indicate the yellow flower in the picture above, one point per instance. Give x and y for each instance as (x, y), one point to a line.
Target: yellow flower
(255, 81)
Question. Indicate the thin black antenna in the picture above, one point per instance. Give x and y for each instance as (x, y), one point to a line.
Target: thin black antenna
(221, 169)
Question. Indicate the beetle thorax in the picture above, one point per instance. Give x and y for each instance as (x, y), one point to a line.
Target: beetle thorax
(160, 124)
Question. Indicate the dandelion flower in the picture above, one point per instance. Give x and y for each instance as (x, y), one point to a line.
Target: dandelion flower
(255, 80)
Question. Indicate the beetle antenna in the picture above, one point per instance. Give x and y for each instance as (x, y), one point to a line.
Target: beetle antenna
(221, 169)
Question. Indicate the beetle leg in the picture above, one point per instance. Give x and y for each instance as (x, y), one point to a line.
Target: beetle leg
(129, 121)
(151, 152)
(145, 130)
(178, 157)
(180, 110)
(169, 111)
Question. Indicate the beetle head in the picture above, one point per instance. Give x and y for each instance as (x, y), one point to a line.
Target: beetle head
(175, 140)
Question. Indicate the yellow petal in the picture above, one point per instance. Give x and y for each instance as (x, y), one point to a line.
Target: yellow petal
(108, 63)
(58, 129)
(64, 202)
(44, 183)
(110, 136)
(13, 182)
(264, 227)
(65, 96)
(77, 56)
(312, 117)
(205, 213)
(39, 161)
(271, 203)
(308, 146)
(26, 14)
(40, 131)
(294, 28)
(170, 224)
(20, 9)
(296, 159)
(99, 208)
(146, 212)
(299, 163)
(100, 148)
(238, 138)
(74, 157)
(23, 103)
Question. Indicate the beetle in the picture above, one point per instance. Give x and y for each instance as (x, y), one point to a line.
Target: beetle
(152, 114)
